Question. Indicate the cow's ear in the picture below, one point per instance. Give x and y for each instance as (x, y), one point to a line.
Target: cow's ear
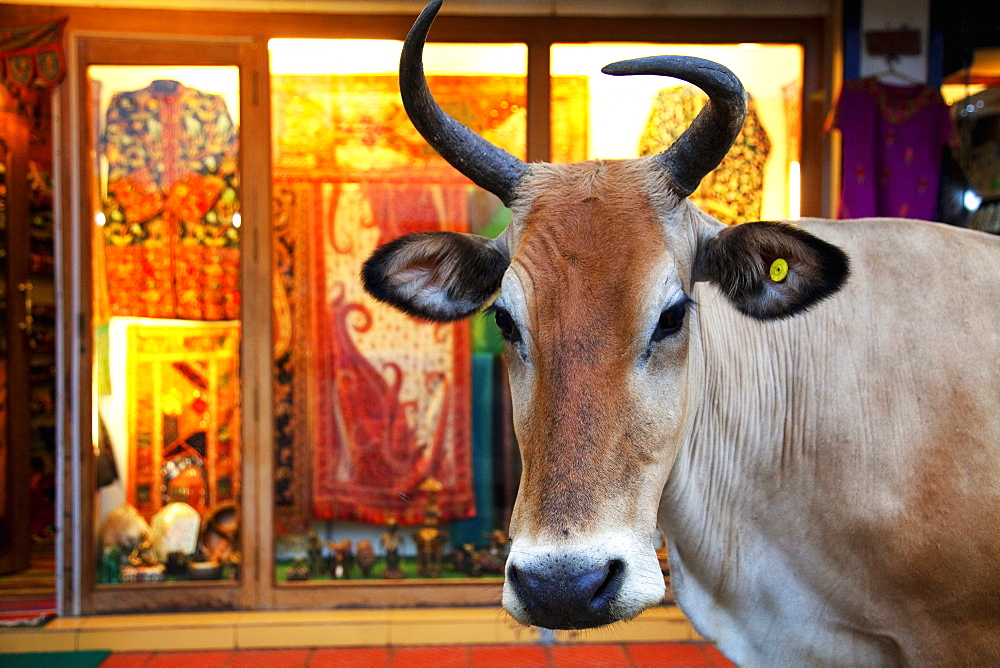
(771, 270)
(439, 276)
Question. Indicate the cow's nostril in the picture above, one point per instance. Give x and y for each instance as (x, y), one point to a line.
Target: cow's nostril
(611, 585)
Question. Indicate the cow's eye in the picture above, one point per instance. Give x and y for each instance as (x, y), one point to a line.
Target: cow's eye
(506, 324)
(671, 321)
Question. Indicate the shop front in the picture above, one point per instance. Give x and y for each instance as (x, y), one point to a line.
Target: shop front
(240, 425)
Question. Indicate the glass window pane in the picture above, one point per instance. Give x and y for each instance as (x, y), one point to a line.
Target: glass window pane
(641, 115)
(385, 430)
(166, 303)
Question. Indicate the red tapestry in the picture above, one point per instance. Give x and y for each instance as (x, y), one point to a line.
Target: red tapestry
(370, 402)
(390, 395)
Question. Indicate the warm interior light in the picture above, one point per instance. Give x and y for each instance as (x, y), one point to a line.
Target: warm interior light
(381, 56)
(794, 191)
(100, 219)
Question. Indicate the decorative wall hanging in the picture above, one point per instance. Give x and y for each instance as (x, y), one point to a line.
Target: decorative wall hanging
(31, 54)
(369, 403)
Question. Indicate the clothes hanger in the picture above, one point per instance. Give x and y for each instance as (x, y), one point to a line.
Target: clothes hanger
(890, 72)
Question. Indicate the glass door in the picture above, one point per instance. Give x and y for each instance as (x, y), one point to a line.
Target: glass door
(166, 222)
(166, 303)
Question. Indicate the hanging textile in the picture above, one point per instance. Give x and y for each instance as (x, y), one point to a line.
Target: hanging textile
(31, 54)
(390, 395)
(893, 139)
(183, 424)
(370, 402)
(170, 242)
(732, 192)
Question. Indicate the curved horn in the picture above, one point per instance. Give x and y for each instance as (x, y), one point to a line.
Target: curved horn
(489, 166)
(705, 143)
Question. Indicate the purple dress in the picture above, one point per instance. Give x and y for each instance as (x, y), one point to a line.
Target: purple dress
(893, 138)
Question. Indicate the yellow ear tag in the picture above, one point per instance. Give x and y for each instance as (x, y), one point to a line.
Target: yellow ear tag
(779, 270)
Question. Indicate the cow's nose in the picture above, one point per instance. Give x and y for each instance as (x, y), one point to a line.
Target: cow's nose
(565, 596)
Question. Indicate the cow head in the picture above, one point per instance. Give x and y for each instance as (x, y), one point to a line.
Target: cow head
(591, 287)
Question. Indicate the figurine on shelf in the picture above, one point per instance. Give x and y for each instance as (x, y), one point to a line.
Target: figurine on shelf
(430, 539)
(111, 561)
(341, 559)
(315, 552)
(141, 565)
(365, 557)
(464, 560)
(391, 542)
(143, 554)
(298, 571)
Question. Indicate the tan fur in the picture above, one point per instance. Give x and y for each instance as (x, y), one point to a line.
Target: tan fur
(837, 487)
(584, 303)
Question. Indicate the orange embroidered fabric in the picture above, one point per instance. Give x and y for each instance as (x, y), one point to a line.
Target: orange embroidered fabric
(170, 243)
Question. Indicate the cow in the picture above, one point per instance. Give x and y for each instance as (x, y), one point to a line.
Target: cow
(810, 410)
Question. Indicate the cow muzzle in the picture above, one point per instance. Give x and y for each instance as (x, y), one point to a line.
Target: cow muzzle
(608, 580)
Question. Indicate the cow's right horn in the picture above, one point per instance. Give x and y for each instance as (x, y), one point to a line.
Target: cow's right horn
(705, 143)
(488, 166)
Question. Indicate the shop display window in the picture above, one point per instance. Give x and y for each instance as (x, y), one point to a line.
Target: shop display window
(628, 117)
(394, 457)
(393, 460)
(166, 304)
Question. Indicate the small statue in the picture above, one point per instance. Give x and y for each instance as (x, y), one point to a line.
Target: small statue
(365, 557)
(391, 541)
(430, 539)
(111, 560)
(315, 552)
(465, 560)
(341, 559)
(233, 564)
(298, 571)
(143, 554)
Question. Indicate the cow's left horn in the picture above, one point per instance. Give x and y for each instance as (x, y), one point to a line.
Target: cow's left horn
(705, 143)
(488, 166)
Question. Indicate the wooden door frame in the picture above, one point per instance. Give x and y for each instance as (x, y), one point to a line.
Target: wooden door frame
(15, 555)
(78, 591)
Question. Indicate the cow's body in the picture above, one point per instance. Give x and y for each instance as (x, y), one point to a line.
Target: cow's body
(837, 496)
(820, 443)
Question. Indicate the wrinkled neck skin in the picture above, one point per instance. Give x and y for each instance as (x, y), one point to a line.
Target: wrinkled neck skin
(599, 412)
(834, 497)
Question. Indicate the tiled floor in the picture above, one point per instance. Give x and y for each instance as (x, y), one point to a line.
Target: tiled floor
(689, 654)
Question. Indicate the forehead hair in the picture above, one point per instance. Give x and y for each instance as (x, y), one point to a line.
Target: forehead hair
(587, 246)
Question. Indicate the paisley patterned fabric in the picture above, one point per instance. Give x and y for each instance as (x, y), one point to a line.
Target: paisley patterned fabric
(369, 402)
